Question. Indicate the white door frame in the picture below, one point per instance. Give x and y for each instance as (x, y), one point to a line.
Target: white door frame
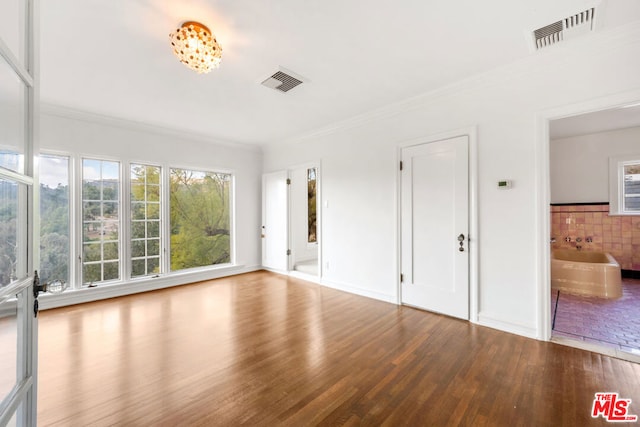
(543, 193)
(318, 165)
(471, 133)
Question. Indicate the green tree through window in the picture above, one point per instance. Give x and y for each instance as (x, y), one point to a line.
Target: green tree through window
(200, 218)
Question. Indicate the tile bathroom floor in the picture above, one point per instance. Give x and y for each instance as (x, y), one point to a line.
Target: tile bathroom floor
(611, 323)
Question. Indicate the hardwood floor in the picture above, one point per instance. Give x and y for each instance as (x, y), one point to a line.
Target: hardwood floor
(265, 349)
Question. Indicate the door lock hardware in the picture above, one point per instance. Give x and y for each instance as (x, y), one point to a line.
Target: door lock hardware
(461, 240)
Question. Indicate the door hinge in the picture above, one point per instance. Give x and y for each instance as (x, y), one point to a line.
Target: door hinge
(401, 278)
(288, 251)
(401, 165)
(288, 181)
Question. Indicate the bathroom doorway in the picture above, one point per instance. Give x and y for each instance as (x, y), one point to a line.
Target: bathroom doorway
(304, 219)
(594, 215)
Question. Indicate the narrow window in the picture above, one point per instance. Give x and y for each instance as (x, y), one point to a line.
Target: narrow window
(54, 218)
(311, 205)
(200, 218)
(145, 220)
(631, 190)
(100, 221)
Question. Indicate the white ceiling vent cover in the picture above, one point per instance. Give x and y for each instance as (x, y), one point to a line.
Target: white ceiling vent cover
(282, 81)
(565, 29)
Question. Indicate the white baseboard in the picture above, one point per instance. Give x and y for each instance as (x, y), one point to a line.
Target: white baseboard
(47, 301)
(491, 321)
(352, 289)
(306, 277)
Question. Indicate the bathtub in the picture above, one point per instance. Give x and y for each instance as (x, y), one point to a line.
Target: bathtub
(586, 273)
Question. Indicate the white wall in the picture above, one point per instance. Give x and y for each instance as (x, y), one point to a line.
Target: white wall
(580, 164)
(69, 132)
(359, 163)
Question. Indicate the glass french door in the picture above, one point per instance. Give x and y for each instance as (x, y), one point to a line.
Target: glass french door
(18, 198)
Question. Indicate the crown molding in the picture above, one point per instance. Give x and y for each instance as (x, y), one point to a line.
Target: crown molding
(65, 112)
(593, 44)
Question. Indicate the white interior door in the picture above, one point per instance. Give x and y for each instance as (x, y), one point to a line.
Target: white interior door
(19, 242)
(275, 221)
(434, 216)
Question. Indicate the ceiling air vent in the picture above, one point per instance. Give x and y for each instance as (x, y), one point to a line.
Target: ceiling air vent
(565, 29)
(282, 81)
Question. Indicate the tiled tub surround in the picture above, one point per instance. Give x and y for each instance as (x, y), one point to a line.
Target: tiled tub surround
(617, 235)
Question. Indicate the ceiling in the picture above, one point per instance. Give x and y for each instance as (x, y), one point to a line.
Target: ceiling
(113, 58)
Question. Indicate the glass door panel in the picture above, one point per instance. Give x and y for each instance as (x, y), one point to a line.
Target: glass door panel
(13, 110)
(12, 27)
(8, 347)
(13, 232)
(18, 325)
(16, 317)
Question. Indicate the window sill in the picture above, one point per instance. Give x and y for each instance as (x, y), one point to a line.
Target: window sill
(624, 213)
(134, 286)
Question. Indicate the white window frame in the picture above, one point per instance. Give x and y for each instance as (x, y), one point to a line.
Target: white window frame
(129, 219)
(616, 183)
(166, 213)
(71, 280)
(121, 215)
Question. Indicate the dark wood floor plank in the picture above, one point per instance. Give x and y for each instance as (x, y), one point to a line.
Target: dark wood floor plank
(265, 349)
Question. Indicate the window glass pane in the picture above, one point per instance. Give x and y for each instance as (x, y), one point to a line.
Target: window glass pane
(153, 229)
(138, 267)
(137, 248)
(101, 218)
(138, 210)
(92, 252)
(632, 187)
(137, 191)
(90, 210)
(12, 26)
(153, 265)
(13, 197)
(9, 347)
(153, 247)
(12, 119)
(138, 230)
(54, 218)
(110, 250)
(199, 218)
(153, 210)
(153, 175)
(110, 210)
(91, 273)
(110, 230)
(145, 205)
(153, 193)
(111, 271)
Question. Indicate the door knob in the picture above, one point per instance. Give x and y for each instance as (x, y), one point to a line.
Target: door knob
(461, 240)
